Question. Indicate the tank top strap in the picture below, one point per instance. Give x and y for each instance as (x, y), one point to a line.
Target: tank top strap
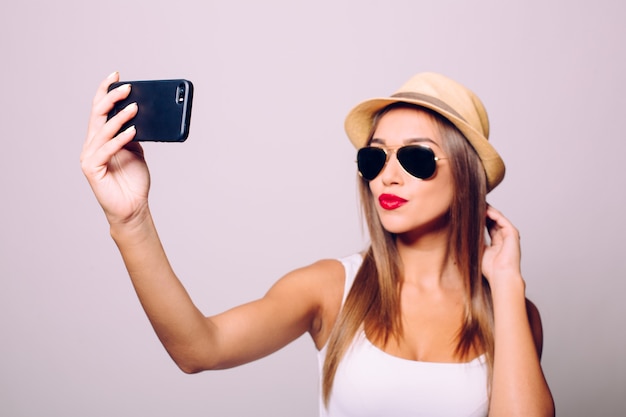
(351, 265)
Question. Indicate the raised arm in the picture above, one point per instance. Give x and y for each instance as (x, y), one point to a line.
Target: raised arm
(245, 333)
(118, 175)
(519, 387)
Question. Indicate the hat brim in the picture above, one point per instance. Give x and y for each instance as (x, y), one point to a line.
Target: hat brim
(358, 125)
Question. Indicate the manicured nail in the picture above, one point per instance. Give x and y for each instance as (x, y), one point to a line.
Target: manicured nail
(130, 107)
(112, 74)
(124, 87)
(129, 129)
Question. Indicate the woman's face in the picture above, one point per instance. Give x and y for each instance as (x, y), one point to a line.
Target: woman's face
(405, 204)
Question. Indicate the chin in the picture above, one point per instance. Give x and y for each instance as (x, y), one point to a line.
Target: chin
(417, 227)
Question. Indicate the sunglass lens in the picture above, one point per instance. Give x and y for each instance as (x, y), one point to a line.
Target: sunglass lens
(418, 161)
(370, 162)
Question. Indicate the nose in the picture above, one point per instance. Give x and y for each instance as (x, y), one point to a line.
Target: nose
(392, 171)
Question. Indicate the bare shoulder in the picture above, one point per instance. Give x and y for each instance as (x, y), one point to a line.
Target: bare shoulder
(320, 271)
(534, 319)
(322, 282)
(320, 277)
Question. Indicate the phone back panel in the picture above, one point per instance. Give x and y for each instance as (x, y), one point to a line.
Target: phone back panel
(164, 109)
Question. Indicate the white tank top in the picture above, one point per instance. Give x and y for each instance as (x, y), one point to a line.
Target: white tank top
(370, 382)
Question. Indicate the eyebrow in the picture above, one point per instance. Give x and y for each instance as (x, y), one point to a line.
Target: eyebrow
(410, 141)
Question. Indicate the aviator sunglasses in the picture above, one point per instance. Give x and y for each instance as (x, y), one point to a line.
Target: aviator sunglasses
(417, 160)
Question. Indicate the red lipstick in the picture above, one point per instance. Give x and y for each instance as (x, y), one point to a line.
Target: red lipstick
(390, 201)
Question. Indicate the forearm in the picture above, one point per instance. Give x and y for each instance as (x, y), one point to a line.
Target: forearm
(180, 326)
(519, 387)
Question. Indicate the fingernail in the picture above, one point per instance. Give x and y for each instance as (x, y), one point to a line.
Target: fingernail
(130, 107)
(129, 129)
(111, 75)
(124, 87)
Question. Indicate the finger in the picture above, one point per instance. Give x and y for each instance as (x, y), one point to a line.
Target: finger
(101, 108)
(493, 229)
(111, 128)
(104, 105)
(497, 217)
(135, 147)
(94, 162)
(103, 88)
(493, 213)
(499, 224)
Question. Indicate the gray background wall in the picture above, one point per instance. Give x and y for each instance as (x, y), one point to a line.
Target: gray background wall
(266, 182)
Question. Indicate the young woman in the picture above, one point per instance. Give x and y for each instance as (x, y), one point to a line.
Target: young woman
(430, 320)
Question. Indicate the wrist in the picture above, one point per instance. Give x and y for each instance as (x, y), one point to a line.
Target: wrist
(508, 283)
(136, 226)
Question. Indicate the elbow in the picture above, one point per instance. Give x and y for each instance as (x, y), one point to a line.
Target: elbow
(545, 405)
(546, 409)
(550, 408)
(195, 355)
(189, 369)
(535, 406)
(190, 363)
(194, 365)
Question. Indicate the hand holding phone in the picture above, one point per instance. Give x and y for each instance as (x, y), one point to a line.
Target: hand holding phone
(164, 109)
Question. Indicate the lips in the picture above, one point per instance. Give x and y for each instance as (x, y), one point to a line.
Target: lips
(391, 202)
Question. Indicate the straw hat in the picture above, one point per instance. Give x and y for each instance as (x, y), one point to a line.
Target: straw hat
(444, 96)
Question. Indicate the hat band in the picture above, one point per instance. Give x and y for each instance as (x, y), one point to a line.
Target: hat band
(429, 99)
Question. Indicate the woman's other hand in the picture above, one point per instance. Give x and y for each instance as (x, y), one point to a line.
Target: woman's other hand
(502, 257)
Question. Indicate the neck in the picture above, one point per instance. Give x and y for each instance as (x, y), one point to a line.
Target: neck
(426, 259)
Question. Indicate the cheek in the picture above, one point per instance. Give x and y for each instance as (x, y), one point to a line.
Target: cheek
(435, 195)
(374, 186)
(445, 189)
(447, 198)
(435, 198)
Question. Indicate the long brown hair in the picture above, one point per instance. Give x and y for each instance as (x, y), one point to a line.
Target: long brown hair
(374, 299)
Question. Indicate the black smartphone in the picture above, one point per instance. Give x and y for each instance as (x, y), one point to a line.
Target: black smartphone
(164, 109)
